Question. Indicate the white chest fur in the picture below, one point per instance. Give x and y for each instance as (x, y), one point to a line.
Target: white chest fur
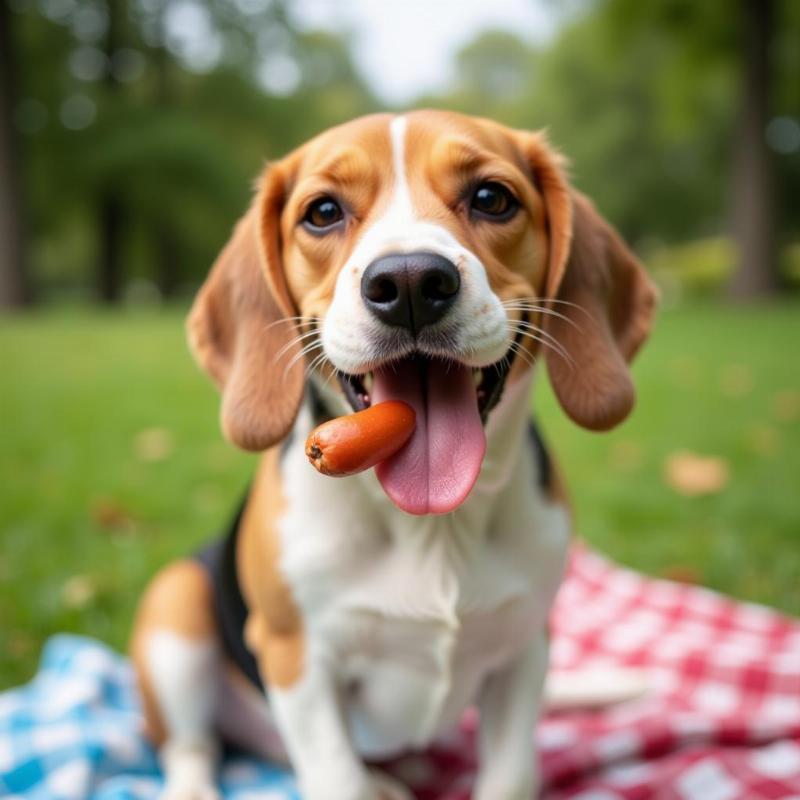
(414, 612)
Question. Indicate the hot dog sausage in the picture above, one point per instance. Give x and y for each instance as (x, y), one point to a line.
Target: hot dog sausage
(350, 444)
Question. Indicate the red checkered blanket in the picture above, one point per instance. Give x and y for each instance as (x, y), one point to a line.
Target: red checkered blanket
(720, 720)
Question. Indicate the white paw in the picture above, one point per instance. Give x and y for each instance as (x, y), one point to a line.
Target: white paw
(188, 790)
(189, 772)
(372, 785)
(386, 788)
(521, 791)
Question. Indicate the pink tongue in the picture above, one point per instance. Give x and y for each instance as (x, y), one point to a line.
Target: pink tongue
(435, 471)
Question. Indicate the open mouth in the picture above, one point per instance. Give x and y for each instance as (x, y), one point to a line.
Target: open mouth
(488, 381)
(435, 471)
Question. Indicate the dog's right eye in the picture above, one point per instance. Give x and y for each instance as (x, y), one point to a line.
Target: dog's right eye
(322, 215)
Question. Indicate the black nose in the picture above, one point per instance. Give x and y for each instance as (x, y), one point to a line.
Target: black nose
(410, 290)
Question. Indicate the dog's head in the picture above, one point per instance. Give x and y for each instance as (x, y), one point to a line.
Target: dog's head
(428, 257)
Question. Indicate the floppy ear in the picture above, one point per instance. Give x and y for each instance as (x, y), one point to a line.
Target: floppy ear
(240, 332)
(605, 299)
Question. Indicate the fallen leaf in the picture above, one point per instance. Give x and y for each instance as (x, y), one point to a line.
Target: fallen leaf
(20, 644)
(786, 405)
(682, 573)
(694, 475)
(153, 444)
(208, 498)
(736, 380)
(78, 591)
(110, 514)
(763, 439)
(685, 370)
(626, 455)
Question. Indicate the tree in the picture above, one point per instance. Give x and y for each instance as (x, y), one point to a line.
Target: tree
(111, 208)
(741, 38)
(145, 182)
(754, 187)
(15, 287)
(649, 103)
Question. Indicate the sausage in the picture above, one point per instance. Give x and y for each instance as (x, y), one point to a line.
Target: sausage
(350, 444)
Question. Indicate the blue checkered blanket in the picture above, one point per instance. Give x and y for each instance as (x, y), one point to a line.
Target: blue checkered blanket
(74, 732)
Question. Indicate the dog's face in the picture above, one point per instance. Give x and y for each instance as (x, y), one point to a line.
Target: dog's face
(404, 235)
(427, 257)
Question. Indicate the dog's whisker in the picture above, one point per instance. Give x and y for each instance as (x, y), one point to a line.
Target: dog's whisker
(540, 300)
(334, 372)
(560, 350)
(533, 304)
(293, 342)
(318, 361)
(307, 348)
(520, 324)
(520, 351)
(542, 303)
(524, 329)
(313, 363)
(554, 345)
(304, 352)
(547, 311)
(287, 320)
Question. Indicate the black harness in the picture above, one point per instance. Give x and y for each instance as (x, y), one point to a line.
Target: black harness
(219, 559)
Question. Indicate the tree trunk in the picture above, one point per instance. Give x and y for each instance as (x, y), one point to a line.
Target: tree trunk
(15, 288)
(753, 185)
(109, 273)
(168, 251)
(110, 209)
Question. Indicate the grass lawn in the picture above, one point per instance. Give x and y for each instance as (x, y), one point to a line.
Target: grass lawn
(111, 463)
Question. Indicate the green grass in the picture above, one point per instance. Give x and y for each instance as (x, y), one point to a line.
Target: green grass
(84, 519)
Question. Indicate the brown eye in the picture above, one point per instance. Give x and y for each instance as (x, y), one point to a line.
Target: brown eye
(493, 201)
(323, 214)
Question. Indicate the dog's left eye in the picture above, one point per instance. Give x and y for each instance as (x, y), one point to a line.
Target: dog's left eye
(492, 200)
(323, 214)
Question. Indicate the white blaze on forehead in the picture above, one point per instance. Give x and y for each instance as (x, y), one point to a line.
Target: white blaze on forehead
(352, 337)
(401, 199)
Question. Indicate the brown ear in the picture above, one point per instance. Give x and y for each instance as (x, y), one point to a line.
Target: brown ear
(601, 299)
(606, 302)
(241, 334)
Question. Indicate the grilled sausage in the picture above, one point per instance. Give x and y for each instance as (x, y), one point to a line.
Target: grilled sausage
(350, 444)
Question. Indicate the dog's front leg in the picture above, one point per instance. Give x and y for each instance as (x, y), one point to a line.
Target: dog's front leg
(310, 719)
(509, 707)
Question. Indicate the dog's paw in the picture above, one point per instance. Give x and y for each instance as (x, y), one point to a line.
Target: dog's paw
(523, 790)
(386, 788)
(371, 785)
(189, 771)
(186, 790)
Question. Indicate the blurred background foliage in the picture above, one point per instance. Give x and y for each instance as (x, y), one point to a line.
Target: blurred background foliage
(130, 133)
(132, 130)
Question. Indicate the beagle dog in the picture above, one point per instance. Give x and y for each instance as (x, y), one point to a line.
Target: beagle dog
(428, 257)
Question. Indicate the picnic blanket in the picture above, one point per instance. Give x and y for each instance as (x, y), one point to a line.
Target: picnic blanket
(721, 720)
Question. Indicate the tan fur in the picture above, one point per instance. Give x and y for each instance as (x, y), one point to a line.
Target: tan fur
(352, 162)
(445, 154)
(274, 630)
(178, 599)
